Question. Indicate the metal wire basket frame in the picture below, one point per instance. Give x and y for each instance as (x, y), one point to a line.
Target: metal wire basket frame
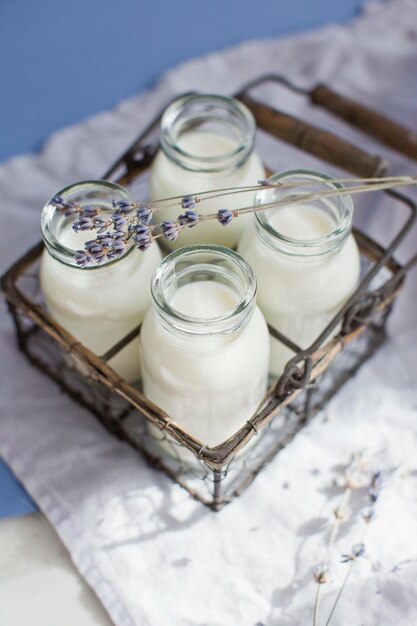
(310, 378)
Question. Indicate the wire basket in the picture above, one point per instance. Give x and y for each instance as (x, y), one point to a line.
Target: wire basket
(215, 475)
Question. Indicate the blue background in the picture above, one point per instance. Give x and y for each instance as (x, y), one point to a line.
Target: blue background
(62, 61)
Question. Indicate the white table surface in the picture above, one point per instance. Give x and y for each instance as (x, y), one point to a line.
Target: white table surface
(39, 585)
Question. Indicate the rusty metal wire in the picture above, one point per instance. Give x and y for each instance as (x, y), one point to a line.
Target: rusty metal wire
(215, 475)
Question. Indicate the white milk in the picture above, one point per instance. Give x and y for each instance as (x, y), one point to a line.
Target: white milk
(207, 143)
(210, 384)
(99, 305)
(169, 179)
(204, 300)
(299, 294)
(302, 221)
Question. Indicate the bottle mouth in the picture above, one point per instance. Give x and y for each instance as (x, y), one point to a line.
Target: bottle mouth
(337, 210)
(55, 226)
(224, 118)
(204, 263)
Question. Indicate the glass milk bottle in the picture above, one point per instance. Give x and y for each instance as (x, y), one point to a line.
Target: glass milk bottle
(98, 304)
(204, 344)
(207, 142)
(305, 259)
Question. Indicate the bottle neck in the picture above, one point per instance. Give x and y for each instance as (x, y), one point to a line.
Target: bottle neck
(60, 240)
(204, 291)
(207, 133)
(308, 229)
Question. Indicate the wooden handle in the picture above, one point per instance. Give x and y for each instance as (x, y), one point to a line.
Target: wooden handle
(371, 122)
(314, 140)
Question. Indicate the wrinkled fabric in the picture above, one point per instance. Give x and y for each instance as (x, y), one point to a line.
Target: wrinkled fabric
(152, 554)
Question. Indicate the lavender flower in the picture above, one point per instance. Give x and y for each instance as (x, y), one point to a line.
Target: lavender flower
(105, 239)
(346, 558)
(144, 214)
(123, 206)
(96, 250)
(358, 550)
(267, 183)
(189, 202)
(189, 218)
(119, 220)
(119, 246)
(84, 223)
(170, 230)
(117, 234)
(82, 258)
(67, 208)
(90, 211)
(110, 245)
(100, 223)
(59, 203)
(321, 576)
(376, 481)
(375, 487)
(225, 216)
(93, 245)
(373, 495)
(142, 236)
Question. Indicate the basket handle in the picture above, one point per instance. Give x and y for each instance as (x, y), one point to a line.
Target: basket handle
(369, 121)
(314, 140)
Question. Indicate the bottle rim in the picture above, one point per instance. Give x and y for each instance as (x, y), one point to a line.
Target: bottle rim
(190, 111)
(305, 247)
(59, 251)
(187, 264)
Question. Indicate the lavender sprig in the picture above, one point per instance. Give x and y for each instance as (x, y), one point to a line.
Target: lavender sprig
(84, 223)
(101, 224)
(119, 220)
(98, 223)
(321, 573)
(351, 482)
(124, 207)
(189, 202)
(69, 209)
(90, 211)
(144, 214)
(128, 216)
(375, 487)
(189, 218)
(224, 216)
(108, 246)
(170, 230)
(142, 236)
(358, 550)
(82, 258)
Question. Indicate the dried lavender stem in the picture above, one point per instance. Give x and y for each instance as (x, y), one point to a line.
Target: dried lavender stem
(332, 538)
(336, 524)
(220, 193)
(343, 585)
(331, 193)
(114, 244)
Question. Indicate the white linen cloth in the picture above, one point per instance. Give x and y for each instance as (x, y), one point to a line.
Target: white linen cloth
(152, 554)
